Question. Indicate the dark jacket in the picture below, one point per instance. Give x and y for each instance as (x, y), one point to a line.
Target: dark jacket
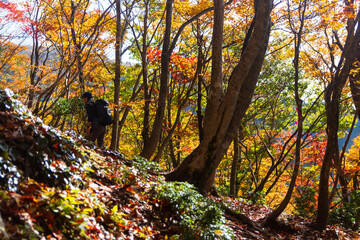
(92, 113)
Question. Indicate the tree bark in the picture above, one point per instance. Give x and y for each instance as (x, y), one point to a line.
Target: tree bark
(200, 63)
(332, 107)
(354, 75)
(118, 46)
(355, 89)
(34, 61)
(234, 165)
(150, 143)
(121, 26)
(223, 114)
(77, 44)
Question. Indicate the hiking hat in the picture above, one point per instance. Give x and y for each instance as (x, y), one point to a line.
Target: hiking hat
(87, 95)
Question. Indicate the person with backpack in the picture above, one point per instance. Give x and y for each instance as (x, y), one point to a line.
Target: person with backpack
(99, 116)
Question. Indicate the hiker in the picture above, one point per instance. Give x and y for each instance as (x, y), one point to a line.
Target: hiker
(95, 131)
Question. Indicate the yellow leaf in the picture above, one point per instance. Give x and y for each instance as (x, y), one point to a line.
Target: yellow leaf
(114, 209)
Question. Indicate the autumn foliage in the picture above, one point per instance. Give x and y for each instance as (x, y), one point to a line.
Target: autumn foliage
(56, 184)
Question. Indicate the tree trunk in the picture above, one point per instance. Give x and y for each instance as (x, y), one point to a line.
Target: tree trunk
(200, 63)
(118, 45)
(330, 153)
(355, 90)
(174, 159)
(233, 174)
(223, 114)
(144, 63)
(332, 106)
(77, 44)
(34, 61)
(354, 75)
(297, 36)
(150, 143)
(121, 27)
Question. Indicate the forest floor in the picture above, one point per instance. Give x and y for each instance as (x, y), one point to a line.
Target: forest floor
(288, 226)
(53, 186)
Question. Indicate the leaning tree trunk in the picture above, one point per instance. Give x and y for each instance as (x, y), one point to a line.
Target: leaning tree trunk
(223, 114)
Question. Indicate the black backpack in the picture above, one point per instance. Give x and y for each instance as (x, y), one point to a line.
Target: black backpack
(103, 112)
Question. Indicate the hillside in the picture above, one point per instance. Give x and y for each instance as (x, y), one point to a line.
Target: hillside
(57, 185)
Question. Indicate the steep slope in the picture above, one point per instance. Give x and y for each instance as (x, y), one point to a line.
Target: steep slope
(58, 186)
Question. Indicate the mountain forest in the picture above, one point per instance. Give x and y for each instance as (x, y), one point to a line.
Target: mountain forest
(230, 120)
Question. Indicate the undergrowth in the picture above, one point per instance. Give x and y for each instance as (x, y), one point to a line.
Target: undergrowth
(348, 213)
(199, 217)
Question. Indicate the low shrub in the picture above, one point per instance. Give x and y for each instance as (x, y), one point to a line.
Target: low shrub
(200, 217)
(305, 203)
(348, 213)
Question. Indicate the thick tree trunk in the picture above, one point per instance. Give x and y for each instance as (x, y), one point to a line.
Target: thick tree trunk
(222, 119)
(216, 86)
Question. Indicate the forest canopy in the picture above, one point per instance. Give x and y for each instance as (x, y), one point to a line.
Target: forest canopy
(256, 99)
